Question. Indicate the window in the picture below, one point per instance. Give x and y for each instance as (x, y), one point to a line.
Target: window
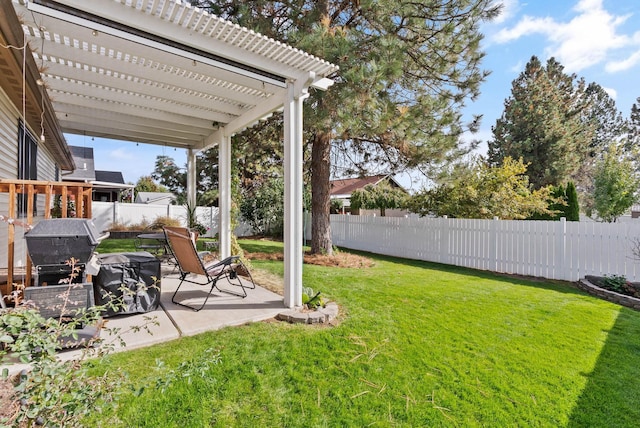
(27, 165)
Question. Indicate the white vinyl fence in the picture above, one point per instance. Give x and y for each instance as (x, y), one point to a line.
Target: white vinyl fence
(550, 249)
(107, 213)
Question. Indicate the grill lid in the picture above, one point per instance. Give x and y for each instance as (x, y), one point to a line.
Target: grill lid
(54, 241)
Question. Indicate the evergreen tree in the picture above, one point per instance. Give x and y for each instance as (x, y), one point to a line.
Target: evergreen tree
(609, 125)
(556, 205)
(633, 137)
(546, 123)
(572, 212)
(406, 69)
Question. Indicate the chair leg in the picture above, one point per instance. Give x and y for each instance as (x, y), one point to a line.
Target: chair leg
(242, 294)
(233, 275)
(213, 283)
(196, 309)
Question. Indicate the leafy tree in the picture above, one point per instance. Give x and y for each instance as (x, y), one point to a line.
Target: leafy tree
(547, 121)
(172, 177)
(146, 183)
(406, 69)
(478, 190)
(256, 153)
(382, 197)
(572, 212)
(336, 206)
(563, 202)
(615, 185)
(262, 206)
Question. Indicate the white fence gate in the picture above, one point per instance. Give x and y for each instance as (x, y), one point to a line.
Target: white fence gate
(550, 249)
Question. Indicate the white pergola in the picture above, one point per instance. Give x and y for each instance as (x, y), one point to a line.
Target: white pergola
(164, 72)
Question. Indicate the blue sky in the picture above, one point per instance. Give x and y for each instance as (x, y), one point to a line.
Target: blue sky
(596, 39)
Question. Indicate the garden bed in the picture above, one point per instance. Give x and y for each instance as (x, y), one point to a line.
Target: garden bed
(599, 286)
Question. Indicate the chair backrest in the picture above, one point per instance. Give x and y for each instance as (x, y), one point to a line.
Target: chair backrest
(184, 250)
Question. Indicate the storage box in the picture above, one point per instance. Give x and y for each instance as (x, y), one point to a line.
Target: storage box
(129, 280)
(54, 301)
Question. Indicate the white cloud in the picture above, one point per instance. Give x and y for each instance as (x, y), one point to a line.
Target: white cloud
(625, 64)
(509, 8)
(526, 26)
(612, 93)
(585, 40)
(517, 68)
(120, 153)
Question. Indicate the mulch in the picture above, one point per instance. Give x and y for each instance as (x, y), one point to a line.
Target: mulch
(342, 260)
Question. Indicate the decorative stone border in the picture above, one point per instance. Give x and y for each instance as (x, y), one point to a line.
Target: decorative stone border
(319, 316)
(611, 296)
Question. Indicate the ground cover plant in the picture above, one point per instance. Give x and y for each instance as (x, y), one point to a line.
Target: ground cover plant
(419, 344)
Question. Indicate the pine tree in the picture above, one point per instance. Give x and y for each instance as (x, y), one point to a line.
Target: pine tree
(406, 69)
(633, 137)
(572, 211)
(545, 123)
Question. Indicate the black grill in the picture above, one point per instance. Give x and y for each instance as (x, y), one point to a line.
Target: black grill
(55, 241)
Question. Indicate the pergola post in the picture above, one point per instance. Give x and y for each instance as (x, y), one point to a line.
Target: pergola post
(293, 191)
(224, 196)
(191, 177)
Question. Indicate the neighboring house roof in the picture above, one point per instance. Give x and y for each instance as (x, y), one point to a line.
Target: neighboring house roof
(85, 168)
(345, 187)
(154, 198)
(110, 177)
(85, 171)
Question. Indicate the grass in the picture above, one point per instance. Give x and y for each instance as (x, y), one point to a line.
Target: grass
(419, 344)
(129, 245)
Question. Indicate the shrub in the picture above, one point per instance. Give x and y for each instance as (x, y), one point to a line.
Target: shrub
(54, 392)
(614, 282)
(162, 221)
(311, 300)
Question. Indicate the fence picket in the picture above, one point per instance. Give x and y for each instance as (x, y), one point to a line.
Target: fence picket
(555, 250)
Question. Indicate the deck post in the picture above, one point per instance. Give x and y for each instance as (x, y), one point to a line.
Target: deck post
(293, 191)
(224, 196)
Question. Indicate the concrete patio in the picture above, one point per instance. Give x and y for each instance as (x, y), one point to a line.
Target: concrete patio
(170, 321)
(174, 321)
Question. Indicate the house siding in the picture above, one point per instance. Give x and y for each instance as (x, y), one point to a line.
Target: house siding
(8, 143)
(9, 119)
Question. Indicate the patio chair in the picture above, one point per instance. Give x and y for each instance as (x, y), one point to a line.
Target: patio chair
(190, 263)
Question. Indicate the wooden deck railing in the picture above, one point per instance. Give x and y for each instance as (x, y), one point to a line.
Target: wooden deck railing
(79, 192)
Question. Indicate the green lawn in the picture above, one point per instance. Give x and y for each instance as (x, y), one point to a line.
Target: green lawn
(419, 344)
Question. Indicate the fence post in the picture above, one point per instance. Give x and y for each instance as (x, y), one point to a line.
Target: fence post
(346, 233)
(211, 232)
(115, 212)
(445, 250)
(561, 272)
(493, 245)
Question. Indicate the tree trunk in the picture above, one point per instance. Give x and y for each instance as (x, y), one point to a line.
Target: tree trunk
(320, 194)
